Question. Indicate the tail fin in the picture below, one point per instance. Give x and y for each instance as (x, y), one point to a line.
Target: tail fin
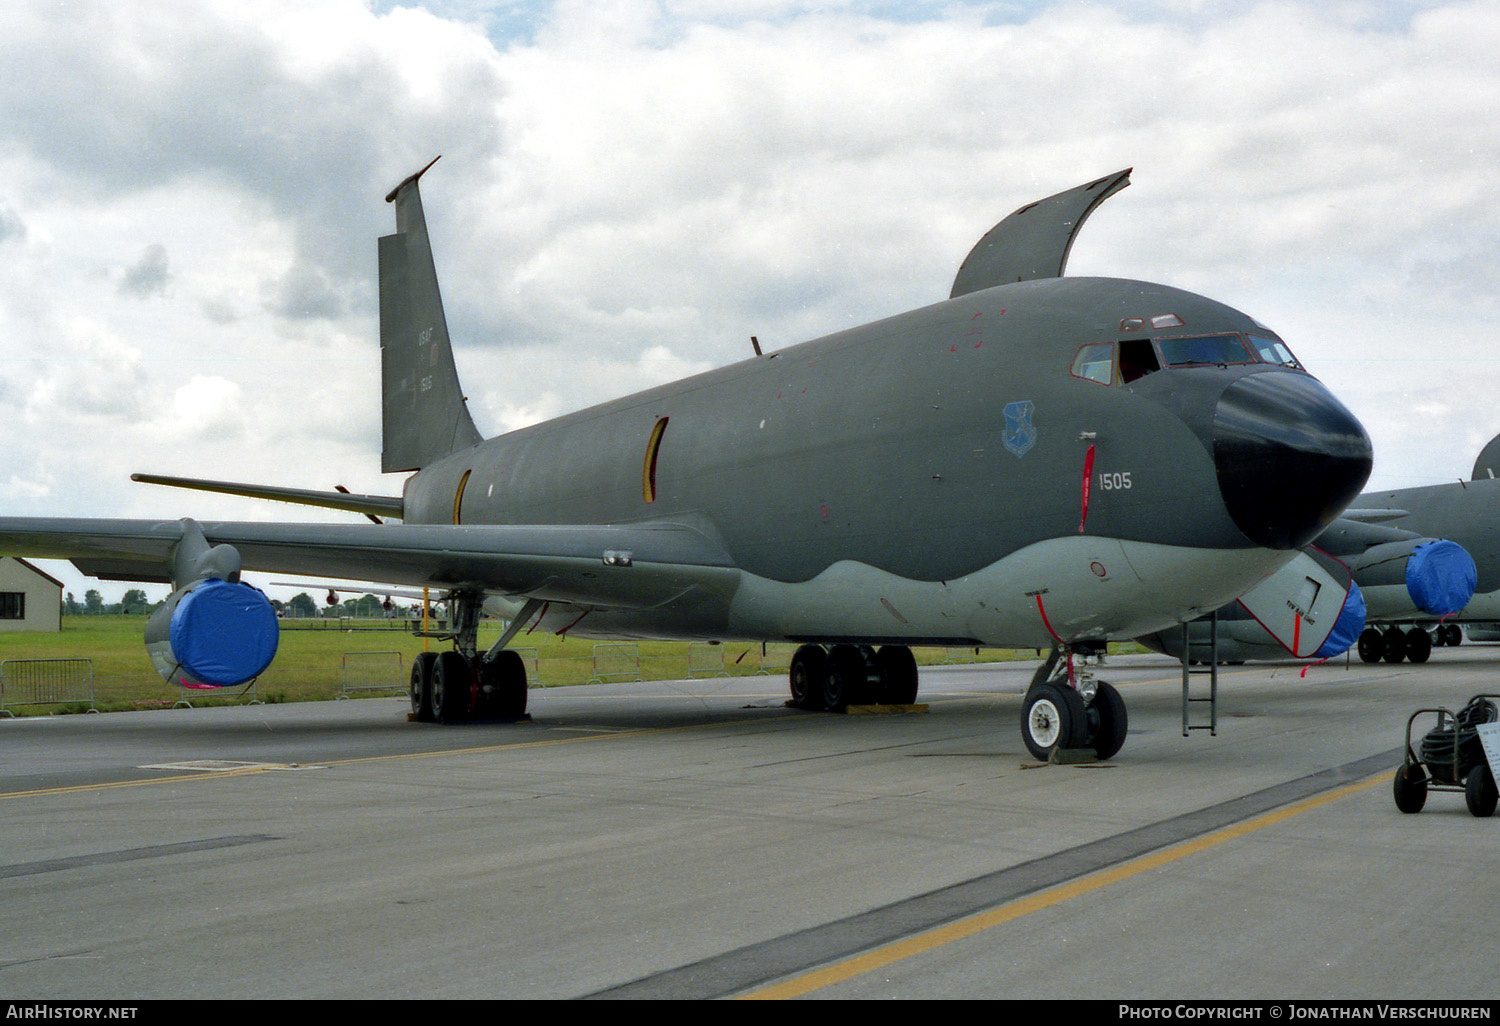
(425, 416)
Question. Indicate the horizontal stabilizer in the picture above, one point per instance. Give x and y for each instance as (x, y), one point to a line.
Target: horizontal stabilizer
(369, 505)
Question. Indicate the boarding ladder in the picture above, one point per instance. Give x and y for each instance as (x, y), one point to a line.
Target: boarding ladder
(1189, 698)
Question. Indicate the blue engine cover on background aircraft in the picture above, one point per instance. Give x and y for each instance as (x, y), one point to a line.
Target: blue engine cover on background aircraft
(1441, 577)
(1347, 627)
(224, 634)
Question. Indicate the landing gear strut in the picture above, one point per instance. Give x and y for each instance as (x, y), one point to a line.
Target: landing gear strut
(450, 687)
(1065, 707)
(834, 679)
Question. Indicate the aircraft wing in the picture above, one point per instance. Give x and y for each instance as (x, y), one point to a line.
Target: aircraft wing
(616, 566)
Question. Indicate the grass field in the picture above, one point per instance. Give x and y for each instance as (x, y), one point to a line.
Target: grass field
(313, 665)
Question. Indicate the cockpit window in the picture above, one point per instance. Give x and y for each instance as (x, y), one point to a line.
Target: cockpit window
(1203, 349)
(1273, 350)
(1131, 358)
(1136, 359)
(1096, 363)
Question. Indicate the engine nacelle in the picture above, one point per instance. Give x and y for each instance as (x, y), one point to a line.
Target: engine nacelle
(1416, 577)
(212, 634)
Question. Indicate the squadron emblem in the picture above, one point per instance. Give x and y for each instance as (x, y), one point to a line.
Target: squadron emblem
(1020, 433)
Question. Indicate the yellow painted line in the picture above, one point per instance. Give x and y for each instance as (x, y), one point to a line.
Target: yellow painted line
(81, 788)
(935, 938)
(480, 750)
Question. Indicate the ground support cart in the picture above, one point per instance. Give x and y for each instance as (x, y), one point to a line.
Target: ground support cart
(1451, 757)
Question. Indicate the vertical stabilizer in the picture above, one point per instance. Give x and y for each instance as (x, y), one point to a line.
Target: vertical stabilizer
(425, 417)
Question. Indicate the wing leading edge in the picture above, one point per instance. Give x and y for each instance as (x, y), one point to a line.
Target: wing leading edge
(598, 566)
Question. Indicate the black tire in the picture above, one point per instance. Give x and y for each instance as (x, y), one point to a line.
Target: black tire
(1371, 645)
(502, 686)
(1480, 792)
(846, 679)
(420, 687)
(809, 667)
(1453, 634)
(1109, 709)
(452, 686)
(1410, 788)
(1052, 716)
(1418, 645)
(1394, 642)
(898, 675)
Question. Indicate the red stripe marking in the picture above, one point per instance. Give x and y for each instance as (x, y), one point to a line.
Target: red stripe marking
(1088, 477)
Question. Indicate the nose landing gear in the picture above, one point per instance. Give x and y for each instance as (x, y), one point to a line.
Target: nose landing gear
(1066, 708)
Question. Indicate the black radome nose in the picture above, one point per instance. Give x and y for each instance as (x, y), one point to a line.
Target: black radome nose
(1290, 457)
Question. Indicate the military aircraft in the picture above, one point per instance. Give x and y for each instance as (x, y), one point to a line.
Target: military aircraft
(1036, 461)
(1465, 512)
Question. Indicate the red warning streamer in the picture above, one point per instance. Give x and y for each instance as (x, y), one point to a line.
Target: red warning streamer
(1088, 477)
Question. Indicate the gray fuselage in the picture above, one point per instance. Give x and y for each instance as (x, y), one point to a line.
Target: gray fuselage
(888, 449)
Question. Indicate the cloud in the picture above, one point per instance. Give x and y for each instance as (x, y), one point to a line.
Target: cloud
(629, 190)
(101, 379)
(12, 228)
(148, 276)
(207, 408)
(303, 293)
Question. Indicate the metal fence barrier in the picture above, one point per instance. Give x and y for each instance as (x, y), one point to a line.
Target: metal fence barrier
(705, 660)
(372, 673)
(616, 662)
(46, 682)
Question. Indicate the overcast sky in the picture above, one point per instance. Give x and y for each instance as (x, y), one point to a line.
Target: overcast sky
(190, 193)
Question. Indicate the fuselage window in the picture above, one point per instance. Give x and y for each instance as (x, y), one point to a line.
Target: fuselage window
(1203, 349)
(1095, 363)
(1273, 350)
(1137, 358)
(648, 472)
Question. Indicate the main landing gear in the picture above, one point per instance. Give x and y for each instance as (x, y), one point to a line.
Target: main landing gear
(451, 687)
(834, 679)
(1414, 645)
(1066, 707)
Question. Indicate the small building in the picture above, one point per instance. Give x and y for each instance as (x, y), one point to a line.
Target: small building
(30, 600)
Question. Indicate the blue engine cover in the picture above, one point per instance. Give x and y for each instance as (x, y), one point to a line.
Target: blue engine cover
(1441, 577)
(223, 634)
(1347, 627)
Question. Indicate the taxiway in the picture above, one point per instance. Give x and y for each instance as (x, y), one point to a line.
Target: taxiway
(696, 839)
